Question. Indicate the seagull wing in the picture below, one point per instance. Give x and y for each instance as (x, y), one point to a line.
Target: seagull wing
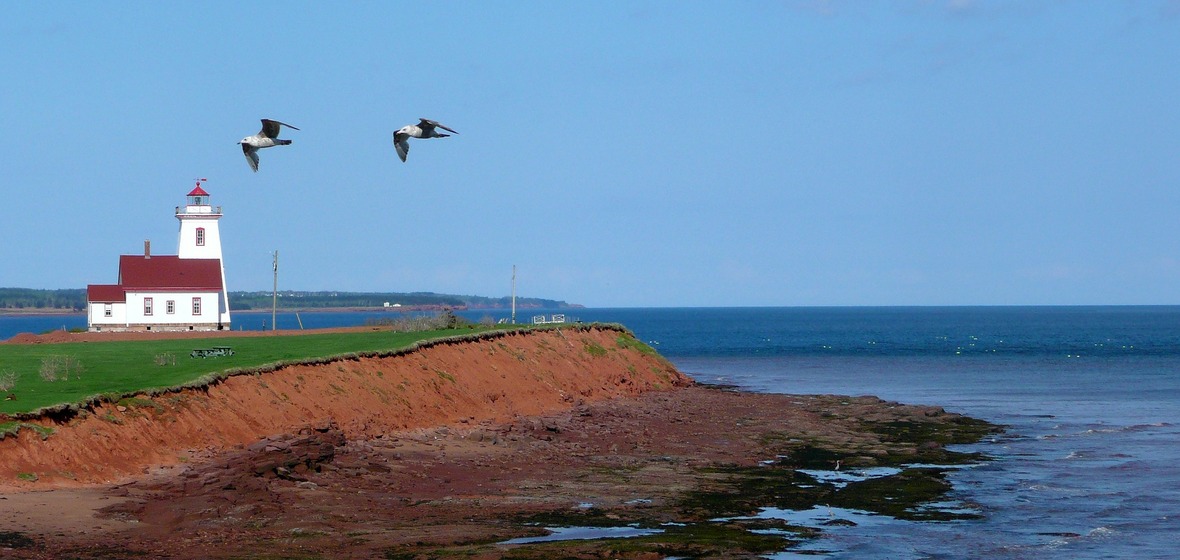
(251, 154)
(428, 126)
(270, 128)
(403, 147)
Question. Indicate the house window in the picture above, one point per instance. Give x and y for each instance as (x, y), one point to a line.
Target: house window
(147, 306)
(106, 310)
(200, 237)
(196, 306)
(170, 307)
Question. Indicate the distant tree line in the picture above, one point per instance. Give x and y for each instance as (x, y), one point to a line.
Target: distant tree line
(75, 299)
(27, 298)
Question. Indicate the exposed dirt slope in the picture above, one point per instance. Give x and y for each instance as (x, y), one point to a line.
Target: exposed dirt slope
(487, 380)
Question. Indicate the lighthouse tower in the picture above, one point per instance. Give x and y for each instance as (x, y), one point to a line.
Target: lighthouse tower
(200, 237)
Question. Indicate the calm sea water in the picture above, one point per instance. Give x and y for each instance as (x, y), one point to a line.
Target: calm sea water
(1089, 466)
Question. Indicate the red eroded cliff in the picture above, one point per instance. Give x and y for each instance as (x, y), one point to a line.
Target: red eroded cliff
(494, 379)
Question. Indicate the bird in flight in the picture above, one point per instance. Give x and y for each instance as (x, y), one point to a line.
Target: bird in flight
(424, 129)
(267, 137)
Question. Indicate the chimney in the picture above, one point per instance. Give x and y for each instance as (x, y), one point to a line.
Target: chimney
(147, 248)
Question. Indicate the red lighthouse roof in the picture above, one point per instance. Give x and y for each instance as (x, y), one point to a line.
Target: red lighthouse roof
(198, 191)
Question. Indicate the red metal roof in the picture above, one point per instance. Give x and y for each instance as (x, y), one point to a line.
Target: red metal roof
(105, 293)
(198, 191)
(169, 272)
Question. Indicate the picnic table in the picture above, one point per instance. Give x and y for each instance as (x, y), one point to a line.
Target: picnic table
(214, 352)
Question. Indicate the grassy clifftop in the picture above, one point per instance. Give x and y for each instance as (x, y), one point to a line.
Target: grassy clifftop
(37, 378)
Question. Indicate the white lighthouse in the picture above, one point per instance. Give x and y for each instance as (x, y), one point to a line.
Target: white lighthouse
(200, 237)
(185, 291)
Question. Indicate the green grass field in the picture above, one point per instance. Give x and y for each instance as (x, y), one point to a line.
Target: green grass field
(87, 370)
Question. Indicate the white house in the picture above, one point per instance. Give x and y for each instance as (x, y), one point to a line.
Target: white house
(185, 291)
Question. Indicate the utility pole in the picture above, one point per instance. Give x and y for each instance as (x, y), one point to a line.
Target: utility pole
(513, 294)
(274, 294)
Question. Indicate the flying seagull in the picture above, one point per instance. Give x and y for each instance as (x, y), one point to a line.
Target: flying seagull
(267, 137)
(424, 129)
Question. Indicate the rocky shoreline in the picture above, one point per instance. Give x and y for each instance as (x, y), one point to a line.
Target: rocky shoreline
(683, 465)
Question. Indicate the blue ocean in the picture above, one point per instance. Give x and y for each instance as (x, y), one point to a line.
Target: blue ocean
(1089, 466)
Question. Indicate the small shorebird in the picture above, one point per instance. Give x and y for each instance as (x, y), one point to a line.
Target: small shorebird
(267, 137)
(424, 129)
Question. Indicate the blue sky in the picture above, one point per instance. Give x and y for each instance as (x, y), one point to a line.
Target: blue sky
(620, 154)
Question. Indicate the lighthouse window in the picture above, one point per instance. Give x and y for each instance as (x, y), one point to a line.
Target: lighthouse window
(147, 306)
(196, 306)
(200, 237)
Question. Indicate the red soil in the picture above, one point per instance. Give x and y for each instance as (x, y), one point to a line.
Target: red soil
(518, 374)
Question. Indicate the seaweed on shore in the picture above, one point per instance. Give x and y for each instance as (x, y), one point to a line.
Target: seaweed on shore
(720, 519)
(906, 495)
(945, 431)
(14, 539)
